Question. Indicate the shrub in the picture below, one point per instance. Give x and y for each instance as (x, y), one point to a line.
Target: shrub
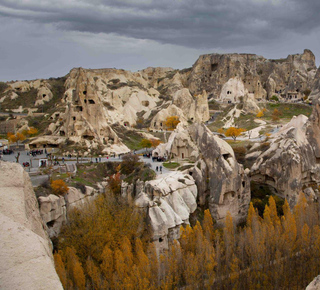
(59, 187)
(275, 98)
(115, 184)
(260, 114)
(129, 163)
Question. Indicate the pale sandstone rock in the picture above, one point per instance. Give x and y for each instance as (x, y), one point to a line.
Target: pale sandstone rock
(212, 71)
(168, 202)
(291, 163)
(232, 90)
(185, 107)
(315, 284)
(26, 253)
(54, 209)
(220, 180)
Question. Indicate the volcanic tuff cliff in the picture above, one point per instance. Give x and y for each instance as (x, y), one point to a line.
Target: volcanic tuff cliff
(221, 181)
(83, 107)
(230, 76)
(292, 162)
(25, 249)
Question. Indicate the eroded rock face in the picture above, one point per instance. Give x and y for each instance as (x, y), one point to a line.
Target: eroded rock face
(167, 201)
(25, 249)
(186, 107)
(291, 164)
(221, 180)
(228, 76)
(54, 209)
(222, 184)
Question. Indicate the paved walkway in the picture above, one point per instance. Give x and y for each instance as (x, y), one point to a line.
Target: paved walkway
(39, 179)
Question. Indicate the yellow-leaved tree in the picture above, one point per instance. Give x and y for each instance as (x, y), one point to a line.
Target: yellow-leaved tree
(260, 114)
(59, 187)
(172, 122)
(234, 132)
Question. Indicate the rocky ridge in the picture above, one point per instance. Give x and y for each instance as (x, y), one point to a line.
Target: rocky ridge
(93, 100)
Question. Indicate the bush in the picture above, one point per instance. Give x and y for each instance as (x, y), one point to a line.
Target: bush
(129, 163)
(240, 153)
(115, 184)
(275, 98)
(59, 187)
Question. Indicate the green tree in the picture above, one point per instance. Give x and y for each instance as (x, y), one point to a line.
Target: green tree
(146, 143)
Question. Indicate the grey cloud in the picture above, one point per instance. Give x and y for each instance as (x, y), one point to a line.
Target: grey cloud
(196, 24)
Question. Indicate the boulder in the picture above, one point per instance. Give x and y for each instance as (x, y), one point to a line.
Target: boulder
(221, 180)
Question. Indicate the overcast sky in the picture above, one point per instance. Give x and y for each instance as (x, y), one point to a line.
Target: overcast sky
(47, 38)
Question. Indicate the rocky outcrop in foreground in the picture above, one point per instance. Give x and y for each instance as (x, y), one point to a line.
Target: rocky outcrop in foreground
(25, 249)
(167, 202)
(54, 209)
(315, 284)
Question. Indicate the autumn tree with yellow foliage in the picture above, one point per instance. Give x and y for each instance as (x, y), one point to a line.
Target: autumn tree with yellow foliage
(59, 187)
(15, 137)
(172, 122)
(109, 251)
(260, 114)
(234, 132)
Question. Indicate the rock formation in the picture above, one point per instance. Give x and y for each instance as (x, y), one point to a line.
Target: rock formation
(54, 209)
(315, 284)
(186, 107)
(84, 107)
(25, 249)
(222, 183)
(290, 164)
(226, 77)
(167, 201)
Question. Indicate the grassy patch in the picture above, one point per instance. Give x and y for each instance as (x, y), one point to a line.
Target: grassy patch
(246, 121)
(287, 111)
(214, 105)
(239, 143)
(24, 99)
(130, 138)
(171, 165)
(3, 87)
(185, 167)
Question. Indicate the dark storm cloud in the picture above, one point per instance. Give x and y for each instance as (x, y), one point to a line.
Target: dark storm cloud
(196, 24)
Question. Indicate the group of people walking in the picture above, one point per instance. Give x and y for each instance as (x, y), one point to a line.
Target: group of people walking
(159, 168)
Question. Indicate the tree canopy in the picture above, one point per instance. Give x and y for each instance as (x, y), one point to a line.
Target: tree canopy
(172, 122)
(234, 132)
